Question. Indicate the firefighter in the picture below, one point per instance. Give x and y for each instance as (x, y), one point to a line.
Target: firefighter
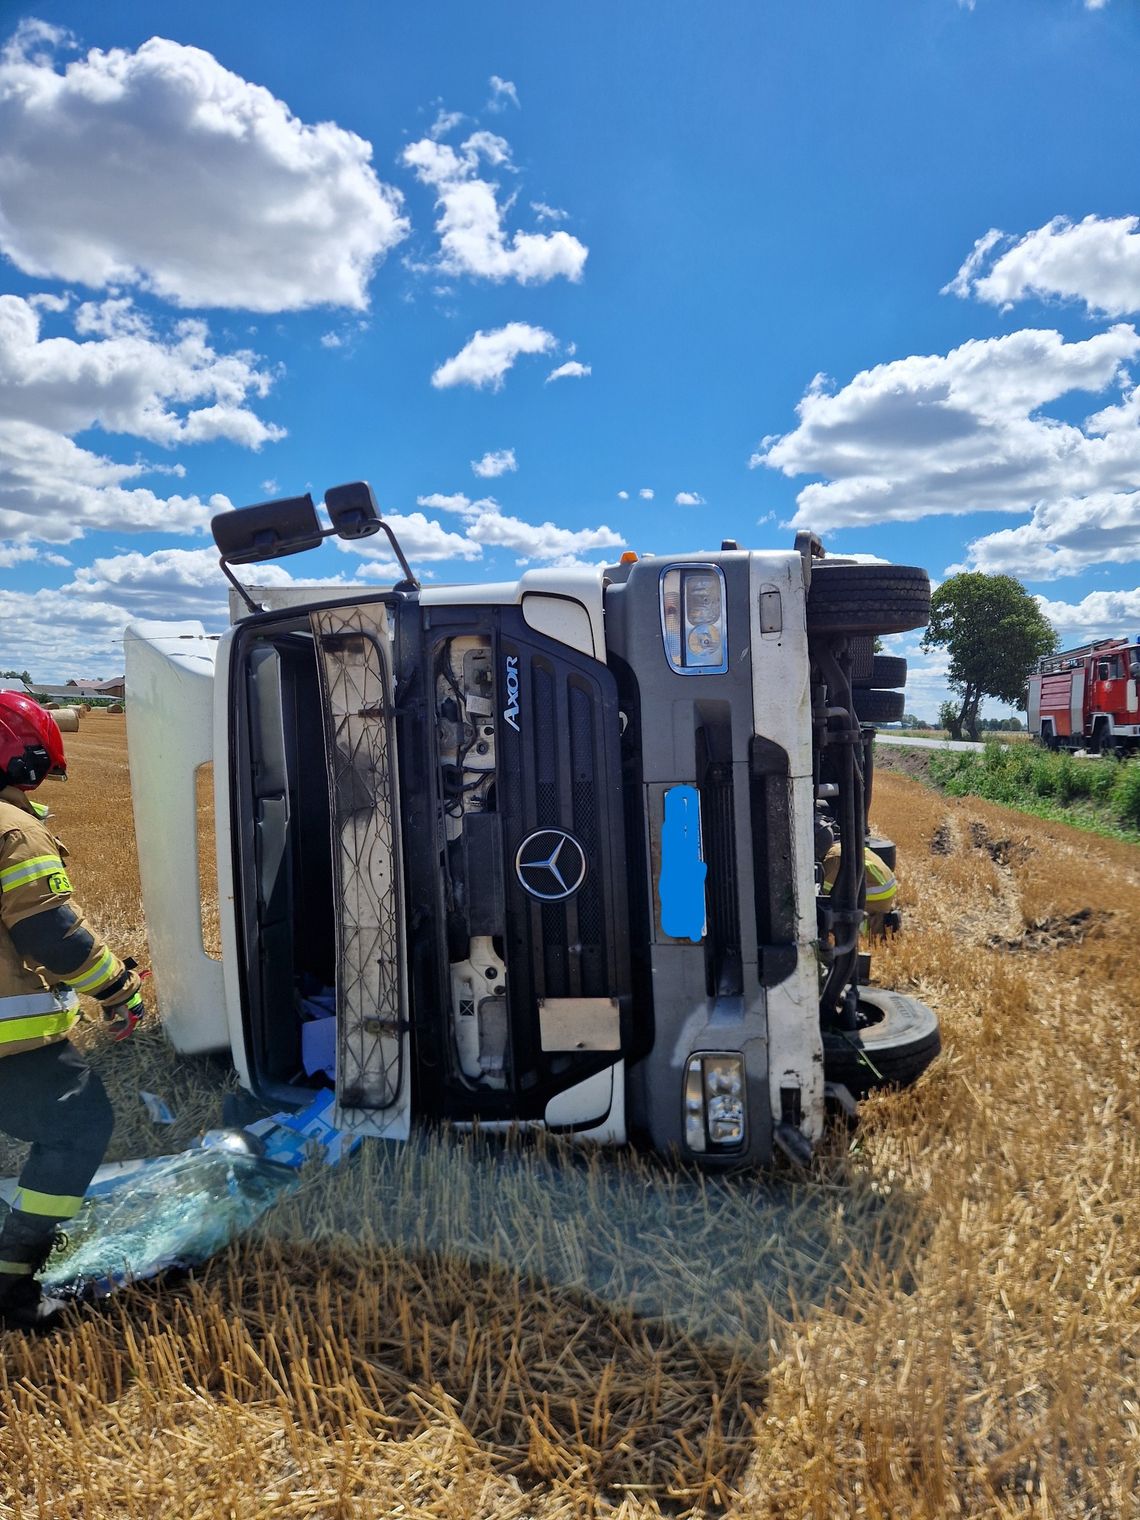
(881, 886)
(48, 954)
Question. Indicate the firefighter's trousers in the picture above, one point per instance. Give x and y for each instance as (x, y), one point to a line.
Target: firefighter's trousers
(51, 1097)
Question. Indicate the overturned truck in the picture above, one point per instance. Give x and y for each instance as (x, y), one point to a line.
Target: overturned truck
(540, 853)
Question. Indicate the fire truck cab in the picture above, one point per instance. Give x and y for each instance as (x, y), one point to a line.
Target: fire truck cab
(1087, 698)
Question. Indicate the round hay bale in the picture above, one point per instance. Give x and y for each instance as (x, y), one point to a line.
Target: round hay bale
(67, 719)
(115, 707)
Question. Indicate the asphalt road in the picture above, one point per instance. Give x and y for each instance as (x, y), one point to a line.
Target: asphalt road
(905, 739)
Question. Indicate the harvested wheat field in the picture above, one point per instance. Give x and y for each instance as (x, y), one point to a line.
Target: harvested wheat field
(943, 1318)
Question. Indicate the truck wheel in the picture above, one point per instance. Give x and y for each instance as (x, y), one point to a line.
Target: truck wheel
(898, 1034)
(885, 849)
(867, 598)
(888, 672)
(1104, 741)
(878, 706)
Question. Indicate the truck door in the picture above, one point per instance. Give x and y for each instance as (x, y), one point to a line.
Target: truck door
(1110, 694)
(318, 941)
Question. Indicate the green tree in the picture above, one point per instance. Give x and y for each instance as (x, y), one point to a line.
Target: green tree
(948, 719)
(994, 632)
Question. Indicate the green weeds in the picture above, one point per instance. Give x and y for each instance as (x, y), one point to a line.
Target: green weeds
(1102, 795)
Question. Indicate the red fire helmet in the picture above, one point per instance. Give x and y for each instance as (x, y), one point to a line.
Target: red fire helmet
(31, 745)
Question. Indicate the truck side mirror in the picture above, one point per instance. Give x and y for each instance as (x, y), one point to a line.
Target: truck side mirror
(268, 530)
(352, 510)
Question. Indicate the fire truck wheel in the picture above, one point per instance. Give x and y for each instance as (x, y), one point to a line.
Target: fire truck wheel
(898, 1035)
(867, 598)
(1104, 742)
(888, 672)
(878, 706)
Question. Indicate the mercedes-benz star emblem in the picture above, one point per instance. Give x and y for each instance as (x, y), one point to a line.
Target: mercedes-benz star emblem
(551, 865)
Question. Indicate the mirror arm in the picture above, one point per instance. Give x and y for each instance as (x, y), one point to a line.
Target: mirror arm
(409, 583)
(238, 587)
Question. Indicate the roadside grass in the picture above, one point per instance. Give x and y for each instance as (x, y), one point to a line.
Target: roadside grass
(1100, 795)
(940, 1317)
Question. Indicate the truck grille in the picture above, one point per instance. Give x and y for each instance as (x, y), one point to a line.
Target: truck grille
(563, 772)
(718, 823)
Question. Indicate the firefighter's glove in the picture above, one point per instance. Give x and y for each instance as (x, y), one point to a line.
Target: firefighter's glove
(123, 1018)
(123, 1007)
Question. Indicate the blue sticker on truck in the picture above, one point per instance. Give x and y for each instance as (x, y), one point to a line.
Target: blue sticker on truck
(682, 884)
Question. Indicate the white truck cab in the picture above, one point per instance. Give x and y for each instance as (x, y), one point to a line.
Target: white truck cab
(539, 853)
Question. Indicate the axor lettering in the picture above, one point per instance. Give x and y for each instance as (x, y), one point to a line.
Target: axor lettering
(511, 711)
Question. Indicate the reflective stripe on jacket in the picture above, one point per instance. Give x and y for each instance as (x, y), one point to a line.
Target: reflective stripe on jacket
(38, 1002)
(881, 883)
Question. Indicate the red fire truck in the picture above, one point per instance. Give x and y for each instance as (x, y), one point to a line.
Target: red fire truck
(1087, 698)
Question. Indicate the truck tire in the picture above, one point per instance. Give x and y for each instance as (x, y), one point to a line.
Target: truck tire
(1104, 741)
(888, 672)
(878, 706)
(885, 849)
(900, 1036)
(867, 598)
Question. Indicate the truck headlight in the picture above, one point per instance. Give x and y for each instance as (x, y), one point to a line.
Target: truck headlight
(714, 1103)
(693, 620)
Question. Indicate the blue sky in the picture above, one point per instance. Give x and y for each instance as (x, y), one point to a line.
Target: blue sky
(873, 269)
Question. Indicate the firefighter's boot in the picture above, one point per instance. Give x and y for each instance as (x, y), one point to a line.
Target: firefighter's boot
(25, 1244)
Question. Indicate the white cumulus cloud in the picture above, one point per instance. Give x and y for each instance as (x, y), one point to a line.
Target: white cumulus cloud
(494, 464)
(646, 493)
(485, 359)
(571, 370)
(1101, 614)
(89, 613)
(17, 554)
(963, 432)
(229, 200)
(472, 238)
(688, 499)
(503, 93)
(53, 490)
(1096, 261)
(123, 377)
(486, 526)
(80, 635)
(1064, 537)
(444, 123)
(127, 379)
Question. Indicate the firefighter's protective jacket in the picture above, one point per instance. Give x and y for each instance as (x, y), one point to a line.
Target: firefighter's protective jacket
(48, 953)
(881, 884)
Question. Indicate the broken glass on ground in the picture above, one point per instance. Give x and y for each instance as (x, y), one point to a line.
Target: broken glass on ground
(174, 1212)
(177, 1211)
